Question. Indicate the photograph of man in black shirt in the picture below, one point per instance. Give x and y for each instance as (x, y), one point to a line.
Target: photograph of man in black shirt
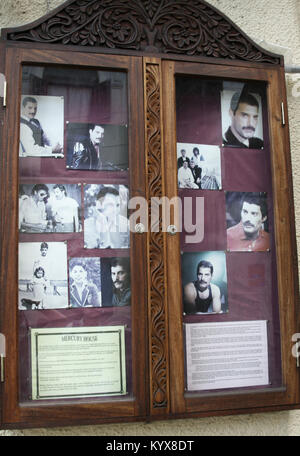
(244, 115)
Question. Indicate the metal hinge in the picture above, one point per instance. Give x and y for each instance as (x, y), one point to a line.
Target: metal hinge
(282, 114)
(3, 88)
(2, 368)
(2, 357)
(4, 94)
(297, 354)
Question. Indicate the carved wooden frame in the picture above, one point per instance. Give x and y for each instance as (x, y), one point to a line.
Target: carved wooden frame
(157, 313)
(182, 27)
(16, 414)
(190, 30)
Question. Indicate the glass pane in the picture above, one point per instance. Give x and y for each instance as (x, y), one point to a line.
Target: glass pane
(74, 242)
(229, 278)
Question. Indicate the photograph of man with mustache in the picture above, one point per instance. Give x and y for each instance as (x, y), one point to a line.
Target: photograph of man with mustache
(202, 296)
(244, 115)
(249, 234)
(120, 276)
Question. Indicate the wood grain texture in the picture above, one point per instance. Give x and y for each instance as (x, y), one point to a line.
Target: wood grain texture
(33, 414)
(158, 334)
(285, 250)
(191, 31)
(173, 273)
(179, 27)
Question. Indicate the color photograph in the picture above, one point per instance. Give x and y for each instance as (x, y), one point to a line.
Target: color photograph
(204, 281)
(247, 221)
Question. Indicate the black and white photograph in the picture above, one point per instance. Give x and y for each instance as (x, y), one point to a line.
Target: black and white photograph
(43, 275)
(242, 122)
(204, 281)
(41, 126)
(115, 278)
(97, 147)
(106, 223)
(85, 282)
(50, 208)
(199, 166)
(247, 221)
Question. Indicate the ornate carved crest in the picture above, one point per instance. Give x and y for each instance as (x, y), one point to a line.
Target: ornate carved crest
(190, 27)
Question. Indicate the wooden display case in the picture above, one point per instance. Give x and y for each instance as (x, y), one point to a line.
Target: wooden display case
(157, 78)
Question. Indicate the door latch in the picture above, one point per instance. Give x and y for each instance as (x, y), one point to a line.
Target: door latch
(3, 88)
(2, 357)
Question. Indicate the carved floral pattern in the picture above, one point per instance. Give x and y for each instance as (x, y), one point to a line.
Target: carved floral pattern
(189, 27)
(158, 337)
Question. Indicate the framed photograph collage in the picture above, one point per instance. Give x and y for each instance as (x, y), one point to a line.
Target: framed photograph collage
(229, 275)
(74, 238)
(149, 245)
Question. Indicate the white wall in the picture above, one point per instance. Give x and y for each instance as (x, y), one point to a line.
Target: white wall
(277, 23)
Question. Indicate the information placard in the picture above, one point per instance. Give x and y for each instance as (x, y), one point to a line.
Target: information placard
(226, 355)
(78, 362)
